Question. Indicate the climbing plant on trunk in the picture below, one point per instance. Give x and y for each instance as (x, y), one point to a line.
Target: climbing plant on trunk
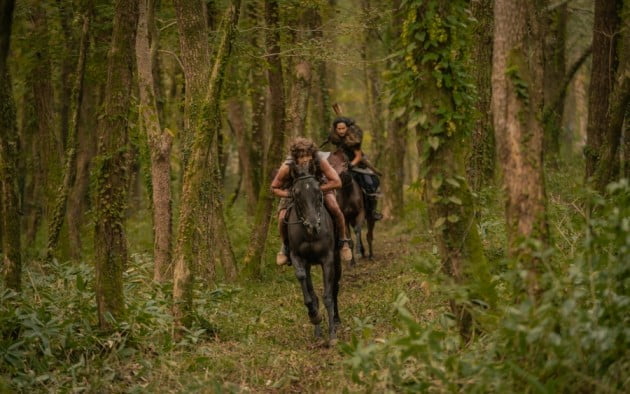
(253, 259)
(197, 171)
(160, 142)
(112, 161)
(435, 42)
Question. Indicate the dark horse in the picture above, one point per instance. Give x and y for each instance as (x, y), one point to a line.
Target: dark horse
(352, 203)
(311, 235)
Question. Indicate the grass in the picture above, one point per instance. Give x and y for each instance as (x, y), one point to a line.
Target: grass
(250, 336)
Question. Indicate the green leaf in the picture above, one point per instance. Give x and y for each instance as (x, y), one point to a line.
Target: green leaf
(434, 142)
(453, 218)
(455, 200)
(439, 222)
(453, 182)
(398, 112)
(436, 182)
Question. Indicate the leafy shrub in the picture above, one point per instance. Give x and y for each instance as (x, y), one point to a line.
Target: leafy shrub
(576, 338)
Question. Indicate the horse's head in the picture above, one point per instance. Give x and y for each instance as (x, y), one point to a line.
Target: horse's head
(308, 200)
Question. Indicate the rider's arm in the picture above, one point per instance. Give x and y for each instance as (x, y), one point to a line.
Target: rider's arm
(334, 182)
(358, 155)
(279, 180)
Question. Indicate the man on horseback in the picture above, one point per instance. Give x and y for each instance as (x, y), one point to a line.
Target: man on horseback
(304, 153)
(347, 136)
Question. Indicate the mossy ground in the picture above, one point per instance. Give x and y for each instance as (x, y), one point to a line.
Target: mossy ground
(263, 341)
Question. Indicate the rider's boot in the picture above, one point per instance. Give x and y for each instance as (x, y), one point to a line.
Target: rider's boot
(371, 207)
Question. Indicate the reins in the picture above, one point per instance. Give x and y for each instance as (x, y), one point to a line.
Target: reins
(293, 205)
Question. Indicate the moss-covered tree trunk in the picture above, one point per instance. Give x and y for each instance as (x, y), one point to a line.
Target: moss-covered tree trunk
(197, 173)
(443, 88)
(45, 140)
(70, 169)
(517, 104)
(396, 139)
(195, 54)
(481, 163)
(301, 73)
(603, 68)
(371, 51)
(554, 34)
(253, 259)
(258, 101)
(110, 242)
(609, 157)
(160, 142)
(11, 267)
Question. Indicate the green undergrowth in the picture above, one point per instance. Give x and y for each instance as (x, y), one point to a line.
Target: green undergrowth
(247, 336)
(397, 333)
(575, 338)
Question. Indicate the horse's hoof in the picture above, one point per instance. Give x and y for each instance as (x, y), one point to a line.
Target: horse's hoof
(316, 319)
(333, 342)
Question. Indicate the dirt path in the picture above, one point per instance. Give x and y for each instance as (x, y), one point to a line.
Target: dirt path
(264, 341)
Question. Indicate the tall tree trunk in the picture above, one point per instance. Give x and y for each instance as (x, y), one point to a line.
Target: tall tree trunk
(299, 98)
(78, 198)
(517, 103)
(608, 167)
(605, 27)
(370, 52)
(393, 183)
(450, 203)
(195, 53)
(11, 245)
(45, 141)
(236, 116)
(76, 98)
(111, 174)
(196, 173)
(554, 37)
(160, 142)
(253, 259)
(258, 100)
(482, 158)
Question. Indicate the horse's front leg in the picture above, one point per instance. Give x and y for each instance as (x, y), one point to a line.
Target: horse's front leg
(303, 275)
(359, 241)
(328, 268)
(370, 236)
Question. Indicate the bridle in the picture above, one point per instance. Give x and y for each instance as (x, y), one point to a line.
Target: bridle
(296, 206)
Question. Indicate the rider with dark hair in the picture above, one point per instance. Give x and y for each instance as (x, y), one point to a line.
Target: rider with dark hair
(304, 153)
(347, 136)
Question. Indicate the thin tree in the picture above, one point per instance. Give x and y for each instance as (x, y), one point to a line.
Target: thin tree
(206, 126)
(516, 105)
(396, 140)
(9, 207)
(160, 142)
(111, 172)
(610, 132)
(605, 25)
(481, 163)
(70, 169)
(253, 259)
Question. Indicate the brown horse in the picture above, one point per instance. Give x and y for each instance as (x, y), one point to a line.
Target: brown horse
(351, 200)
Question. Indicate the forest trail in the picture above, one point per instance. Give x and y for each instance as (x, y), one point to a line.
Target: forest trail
(264, 341)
